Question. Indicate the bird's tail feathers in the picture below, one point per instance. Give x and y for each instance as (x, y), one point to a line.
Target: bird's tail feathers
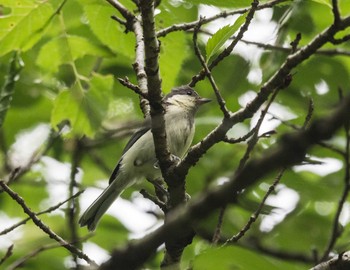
(92, 215)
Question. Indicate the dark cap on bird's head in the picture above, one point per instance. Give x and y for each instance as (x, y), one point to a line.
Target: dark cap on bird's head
(185, 95)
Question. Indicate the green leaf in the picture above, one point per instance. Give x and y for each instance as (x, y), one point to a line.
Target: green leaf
(98, 98)
(85, 113)
(171, 59)
(107, 30)
(221, 36)
(231, 257)
(23, 27)
(69, 108)
(327, 3)
(65, 49)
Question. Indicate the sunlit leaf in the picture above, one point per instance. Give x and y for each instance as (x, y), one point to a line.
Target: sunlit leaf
(221, 36)
(107, 30)
(98, 98)
(324, 2)
(171, 59)
(84, 113)
(231, 257)
(24, 25)
(65, 49)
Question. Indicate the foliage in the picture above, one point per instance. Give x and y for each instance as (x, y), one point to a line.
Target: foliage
(67, 119)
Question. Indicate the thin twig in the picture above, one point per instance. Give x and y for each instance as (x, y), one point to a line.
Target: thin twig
(254, 139)
(19, 263)
(7, 255)
(44, 227)
(133, 87)
(337, 41)
(336, 230)
(297, 144)
(309, 114)
(48, 210)
(122, 22)
(227, 51)
(122, 9)
(154, 199)
(36, 156)
(327, 52)
(218, 95)
(278, 79)
(217, 233)
(256, 214)
(240, 139)
(251, 144)
(294, 44)
(72, 209)
(224, 14)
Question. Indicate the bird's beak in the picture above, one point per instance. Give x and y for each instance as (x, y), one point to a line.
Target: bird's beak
(201, 101)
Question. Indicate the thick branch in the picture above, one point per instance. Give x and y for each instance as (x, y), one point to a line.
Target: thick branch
(154, 84)
(291, 150)
(340, 262)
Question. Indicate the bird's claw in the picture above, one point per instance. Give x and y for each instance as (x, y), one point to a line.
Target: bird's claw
(173, 158)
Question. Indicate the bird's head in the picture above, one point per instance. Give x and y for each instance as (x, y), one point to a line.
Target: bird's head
(185, 98)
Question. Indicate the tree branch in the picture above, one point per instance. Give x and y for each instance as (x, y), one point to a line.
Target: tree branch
(49, 210)
(154, 85)
(133, 24)
(151, 51)
(278, 80)
(174, 247)
(199, 55)
(230, 48)
(295, 144)
(340, 262)
(7, 255)
(336, 231)
(327, 52)
(202, 21)
(44, 227)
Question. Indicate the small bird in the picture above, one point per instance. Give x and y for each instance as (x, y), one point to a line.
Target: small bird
(139, 160)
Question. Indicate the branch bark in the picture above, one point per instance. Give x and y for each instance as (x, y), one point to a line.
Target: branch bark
(278, 80)
(340, 262)
(44, 227)
(291, 150)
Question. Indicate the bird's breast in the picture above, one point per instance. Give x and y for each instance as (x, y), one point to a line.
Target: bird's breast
(180, 131)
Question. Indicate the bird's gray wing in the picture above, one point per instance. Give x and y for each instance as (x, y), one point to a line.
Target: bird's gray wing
(130, 143)
(137, 135)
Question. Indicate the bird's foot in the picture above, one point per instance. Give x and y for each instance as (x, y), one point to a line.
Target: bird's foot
(159, 188)
(175, 159)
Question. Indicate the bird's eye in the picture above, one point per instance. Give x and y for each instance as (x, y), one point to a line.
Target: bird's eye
(189, 93)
